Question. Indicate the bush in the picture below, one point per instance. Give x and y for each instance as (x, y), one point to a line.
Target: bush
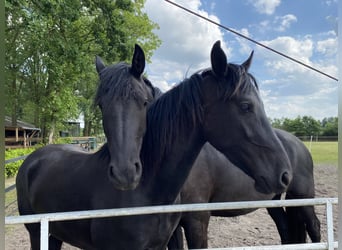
(63, 140)
(11, 169)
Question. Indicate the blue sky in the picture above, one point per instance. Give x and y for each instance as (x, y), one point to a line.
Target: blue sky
(305, 30)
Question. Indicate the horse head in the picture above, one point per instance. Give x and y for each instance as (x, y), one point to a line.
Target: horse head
(234, 110)
(123, 97)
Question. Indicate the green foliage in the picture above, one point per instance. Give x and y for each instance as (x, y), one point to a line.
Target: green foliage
(308, 126)
(50, 51)
(63, 140)
(330, 126)
(11, 169)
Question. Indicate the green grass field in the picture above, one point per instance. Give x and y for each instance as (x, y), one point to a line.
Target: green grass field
(324, 152)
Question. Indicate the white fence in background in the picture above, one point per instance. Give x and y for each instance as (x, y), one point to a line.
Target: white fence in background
(44, 219)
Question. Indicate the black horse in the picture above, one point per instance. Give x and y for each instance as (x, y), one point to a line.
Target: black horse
(220, 105)
(123, 96)
(227, 183)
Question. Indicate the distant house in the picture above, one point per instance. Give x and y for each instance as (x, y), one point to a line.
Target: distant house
(22, 135)
(72, 129)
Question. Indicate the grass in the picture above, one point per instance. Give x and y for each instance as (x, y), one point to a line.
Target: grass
(323, 152)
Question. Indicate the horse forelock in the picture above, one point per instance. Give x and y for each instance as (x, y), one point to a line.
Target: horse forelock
(240, 81)
(117, 82)
(171, 116)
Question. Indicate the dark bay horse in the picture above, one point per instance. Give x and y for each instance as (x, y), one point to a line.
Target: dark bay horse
(227, 183)
(220, 105)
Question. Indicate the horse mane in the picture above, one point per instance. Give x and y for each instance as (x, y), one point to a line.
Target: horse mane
(116, 81)
(157, 93)
(155, 90)
(171, 115)
(180, 110)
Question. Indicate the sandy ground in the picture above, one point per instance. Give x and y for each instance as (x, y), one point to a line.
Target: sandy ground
(256, 228)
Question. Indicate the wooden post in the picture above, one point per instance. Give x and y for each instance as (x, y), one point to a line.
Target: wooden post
(16, 134)
(25, 139)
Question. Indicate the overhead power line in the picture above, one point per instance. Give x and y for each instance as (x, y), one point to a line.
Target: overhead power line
(252, 40)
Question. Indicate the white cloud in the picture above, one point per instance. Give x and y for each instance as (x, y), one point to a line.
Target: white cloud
(330, 2)
(319, 105)
(186, 39)
(327, 47)
(290, 89)
(298, 49)
(302, 50)
(266, 6)
(284, 22)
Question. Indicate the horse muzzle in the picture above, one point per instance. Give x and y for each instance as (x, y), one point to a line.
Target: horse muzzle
(125, 177)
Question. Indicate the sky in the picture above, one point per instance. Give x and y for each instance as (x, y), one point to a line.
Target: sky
(305, 30)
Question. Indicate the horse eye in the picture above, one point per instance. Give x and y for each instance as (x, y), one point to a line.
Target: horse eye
(245, 107)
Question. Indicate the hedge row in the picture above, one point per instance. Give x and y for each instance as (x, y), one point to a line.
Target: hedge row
(11, 169)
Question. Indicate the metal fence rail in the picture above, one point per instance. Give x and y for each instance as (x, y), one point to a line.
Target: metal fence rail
(44, 219)
(16, 159)
(10, 188)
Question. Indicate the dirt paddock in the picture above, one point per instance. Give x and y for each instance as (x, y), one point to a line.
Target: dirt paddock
(256, 228)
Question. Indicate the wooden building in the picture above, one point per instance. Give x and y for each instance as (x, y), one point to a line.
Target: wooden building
(23, 134)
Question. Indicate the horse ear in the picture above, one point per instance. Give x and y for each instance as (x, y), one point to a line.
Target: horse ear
(138, 61)
(248, 62)
(99, 64)
(218, 60)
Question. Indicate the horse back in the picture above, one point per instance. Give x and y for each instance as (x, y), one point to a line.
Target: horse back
(42, 172)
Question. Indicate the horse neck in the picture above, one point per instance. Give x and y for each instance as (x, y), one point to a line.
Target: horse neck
(174, 169)
(173, 140)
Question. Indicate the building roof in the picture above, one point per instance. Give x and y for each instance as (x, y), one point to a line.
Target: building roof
(20, 124)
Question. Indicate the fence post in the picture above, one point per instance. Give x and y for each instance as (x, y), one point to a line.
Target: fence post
(44, 234)
(330, 229)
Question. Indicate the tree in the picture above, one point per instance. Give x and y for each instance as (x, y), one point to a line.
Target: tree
(300, 126)
(330, 126)
(15, 56)
(277, 123)
(51, 46)
(311, 126)
(294, 126)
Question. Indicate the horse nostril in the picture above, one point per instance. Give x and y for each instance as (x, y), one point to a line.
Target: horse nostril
(285, 179)
(137, 167)
(111, 171)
